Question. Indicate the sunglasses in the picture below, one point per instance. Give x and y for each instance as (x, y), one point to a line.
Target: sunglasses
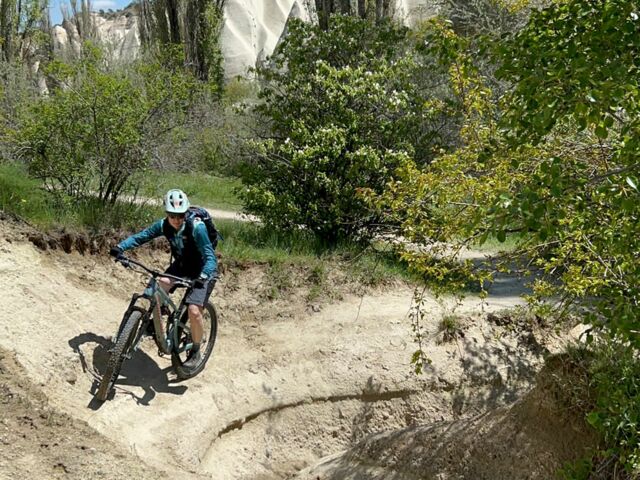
(175, 216)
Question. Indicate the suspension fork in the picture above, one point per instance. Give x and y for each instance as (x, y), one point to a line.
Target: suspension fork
(132, 304)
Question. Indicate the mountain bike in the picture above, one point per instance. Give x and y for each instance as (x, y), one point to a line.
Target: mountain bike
(140, 321)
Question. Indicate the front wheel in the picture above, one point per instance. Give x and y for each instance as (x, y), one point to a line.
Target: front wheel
(181, 353)
(126, 336)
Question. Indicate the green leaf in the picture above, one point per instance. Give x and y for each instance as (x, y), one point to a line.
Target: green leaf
(543, 234)
(483, 238)
(593, 419)
(632, 183)
(601, 131)
(502, 236)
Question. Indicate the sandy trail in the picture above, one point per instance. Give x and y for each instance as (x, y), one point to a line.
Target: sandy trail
(286, 385)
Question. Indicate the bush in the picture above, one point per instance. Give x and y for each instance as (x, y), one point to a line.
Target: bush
(607, 389)
(93, 132)
(344, 110)
(616, 381)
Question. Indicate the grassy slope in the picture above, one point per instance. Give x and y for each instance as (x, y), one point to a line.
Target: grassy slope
(201, 188)
(25, 198)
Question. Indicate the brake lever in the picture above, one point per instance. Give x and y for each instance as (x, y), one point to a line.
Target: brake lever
(124, 261)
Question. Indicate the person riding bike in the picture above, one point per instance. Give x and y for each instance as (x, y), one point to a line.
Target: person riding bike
(193, 257)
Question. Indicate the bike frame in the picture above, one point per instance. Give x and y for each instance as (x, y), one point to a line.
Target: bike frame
(167, 340)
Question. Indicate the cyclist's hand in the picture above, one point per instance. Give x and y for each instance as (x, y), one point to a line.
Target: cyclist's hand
(116, 252)
(199, 282)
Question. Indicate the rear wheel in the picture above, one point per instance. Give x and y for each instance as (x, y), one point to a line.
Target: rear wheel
(209, 331)
(125, 339)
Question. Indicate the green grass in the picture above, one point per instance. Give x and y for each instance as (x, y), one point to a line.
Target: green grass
(493, 245)
(25, 197)
(201, 188)
(252, 243)
(245, 242)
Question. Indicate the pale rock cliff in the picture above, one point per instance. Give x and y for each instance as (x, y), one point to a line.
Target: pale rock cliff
(119, 33)
(253, 28)
(410, 12)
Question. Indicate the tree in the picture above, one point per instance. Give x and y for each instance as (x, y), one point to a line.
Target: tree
(195, 24)
(24, 30)
(92, 133)
(575, 75)
(374, 10)
(553, 164)
(337, 125)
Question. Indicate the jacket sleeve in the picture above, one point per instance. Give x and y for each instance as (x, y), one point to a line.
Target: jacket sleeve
(142, 237)
(205, 248)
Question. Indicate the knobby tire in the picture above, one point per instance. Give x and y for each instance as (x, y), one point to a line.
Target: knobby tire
(125, 338)
(209, 333)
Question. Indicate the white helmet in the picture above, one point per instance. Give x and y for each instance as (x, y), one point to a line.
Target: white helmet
(176, 201)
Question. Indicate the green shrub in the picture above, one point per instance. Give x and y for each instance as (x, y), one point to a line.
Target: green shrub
(616, 382)
(93, 132)
(611, 402)
(345, 110)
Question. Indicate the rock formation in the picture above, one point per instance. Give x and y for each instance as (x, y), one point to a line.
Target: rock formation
(250, 33)
(411, 12)
(253, 28)
(118, 32)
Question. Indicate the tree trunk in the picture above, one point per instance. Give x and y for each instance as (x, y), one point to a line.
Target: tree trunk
(6, 28)
(386, 9)
(379, 10)
(194, 37)
(145, 26)
(362, 8)
(161, 27)
(345, 7)
(323, 13)
(174, 25)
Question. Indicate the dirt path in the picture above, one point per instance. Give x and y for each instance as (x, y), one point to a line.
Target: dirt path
(287, 385)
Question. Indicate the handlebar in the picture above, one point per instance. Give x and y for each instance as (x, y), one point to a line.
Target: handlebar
(127, 262)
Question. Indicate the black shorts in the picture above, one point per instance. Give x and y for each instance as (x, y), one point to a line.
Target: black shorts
(197, 295)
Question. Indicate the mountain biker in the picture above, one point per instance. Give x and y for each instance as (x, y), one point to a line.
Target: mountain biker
(193, 257)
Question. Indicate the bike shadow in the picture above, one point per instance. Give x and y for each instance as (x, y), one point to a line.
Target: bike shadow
(140, 371)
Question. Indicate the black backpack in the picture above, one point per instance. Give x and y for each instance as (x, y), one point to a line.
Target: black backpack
(203, 215)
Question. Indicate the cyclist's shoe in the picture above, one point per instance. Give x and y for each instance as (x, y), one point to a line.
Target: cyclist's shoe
(193, 361)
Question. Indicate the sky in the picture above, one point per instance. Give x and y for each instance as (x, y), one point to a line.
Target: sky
(56, 13)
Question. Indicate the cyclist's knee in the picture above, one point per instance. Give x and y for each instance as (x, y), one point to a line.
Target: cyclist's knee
(195, 310)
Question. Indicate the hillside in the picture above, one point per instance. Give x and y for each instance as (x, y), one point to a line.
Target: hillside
(290, 382)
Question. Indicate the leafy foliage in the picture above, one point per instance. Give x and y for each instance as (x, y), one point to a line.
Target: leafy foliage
(575, 76)
(339, 124)
(605, 387)
(93, 131)
(615, 379)
(555, 162)
(441, 206)
(564, 179)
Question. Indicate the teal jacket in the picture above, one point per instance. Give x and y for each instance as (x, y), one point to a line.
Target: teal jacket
(190, 246)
